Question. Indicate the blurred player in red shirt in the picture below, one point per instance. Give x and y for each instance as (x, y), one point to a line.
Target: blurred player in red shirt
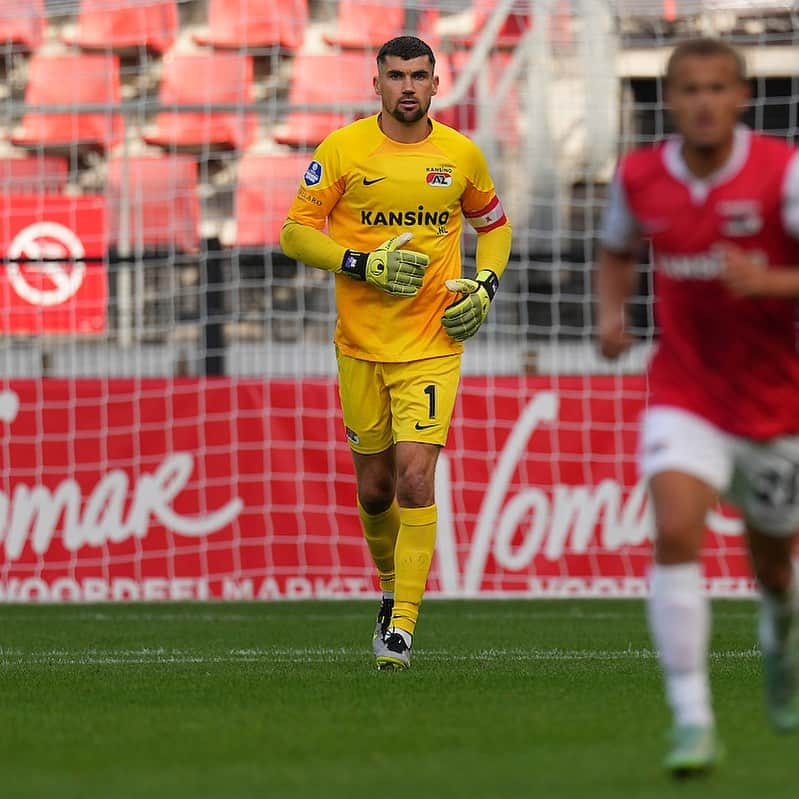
(720, 205)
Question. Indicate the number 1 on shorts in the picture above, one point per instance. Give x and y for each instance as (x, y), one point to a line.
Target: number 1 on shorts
(431, 396)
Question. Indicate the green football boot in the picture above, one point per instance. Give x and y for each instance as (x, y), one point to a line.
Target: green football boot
(781, 673)
(695, 751)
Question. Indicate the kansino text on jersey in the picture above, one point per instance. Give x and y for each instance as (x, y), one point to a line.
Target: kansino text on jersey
(418, 216)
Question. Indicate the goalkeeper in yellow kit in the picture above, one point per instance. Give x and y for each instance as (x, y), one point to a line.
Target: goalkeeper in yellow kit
(394, 189)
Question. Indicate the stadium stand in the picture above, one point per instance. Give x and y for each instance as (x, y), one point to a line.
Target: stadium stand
(205, 79)
(509, 34)
(266, 187)
(22, 23)
(464, 115)
(71, 80)
(101, 26)
(253, 24)
(366, 25)
(33, 174)
(310, 84)
(163, 204)
(446, 79)
(267, 184)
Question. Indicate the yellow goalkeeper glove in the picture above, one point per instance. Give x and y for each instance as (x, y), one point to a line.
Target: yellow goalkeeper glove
(399, 272)
(463, 318)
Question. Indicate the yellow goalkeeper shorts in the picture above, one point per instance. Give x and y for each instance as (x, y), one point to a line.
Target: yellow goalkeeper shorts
(388, 402)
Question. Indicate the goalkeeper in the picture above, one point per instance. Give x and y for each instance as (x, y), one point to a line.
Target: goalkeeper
(394, 189)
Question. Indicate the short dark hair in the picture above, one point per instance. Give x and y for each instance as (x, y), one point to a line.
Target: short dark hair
(406, 47)
(705, 47)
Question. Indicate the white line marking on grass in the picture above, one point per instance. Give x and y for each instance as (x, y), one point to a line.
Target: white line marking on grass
(93, 616)
(274, 614)
(63, 657)
(265, 613)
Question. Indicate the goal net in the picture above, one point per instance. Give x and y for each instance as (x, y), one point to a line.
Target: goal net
(169, 419)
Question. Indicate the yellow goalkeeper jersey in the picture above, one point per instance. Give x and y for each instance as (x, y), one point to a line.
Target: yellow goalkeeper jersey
(369, 188)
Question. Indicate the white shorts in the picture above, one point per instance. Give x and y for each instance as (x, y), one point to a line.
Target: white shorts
(761, 478)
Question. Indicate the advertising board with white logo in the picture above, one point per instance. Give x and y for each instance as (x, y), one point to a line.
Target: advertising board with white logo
(53, 279)
(243, 489)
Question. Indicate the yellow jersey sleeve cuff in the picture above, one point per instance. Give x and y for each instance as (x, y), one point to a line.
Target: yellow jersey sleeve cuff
(311, 246)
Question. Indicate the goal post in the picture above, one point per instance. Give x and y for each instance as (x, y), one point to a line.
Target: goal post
(169, 418)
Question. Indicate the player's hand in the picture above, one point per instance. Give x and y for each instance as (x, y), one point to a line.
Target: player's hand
(740, 273)
(399, 272)
(463, 318)
(614, 340)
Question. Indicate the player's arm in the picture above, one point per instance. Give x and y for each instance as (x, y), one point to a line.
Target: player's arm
(304, 243)
(615, 282)
(616, 272)
(483, 210)
(746, 276)
(396, 271)
(463, 318)
(493, 249)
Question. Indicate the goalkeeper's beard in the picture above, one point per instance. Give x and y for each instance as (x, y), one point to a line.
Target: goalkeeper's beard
(409, 117)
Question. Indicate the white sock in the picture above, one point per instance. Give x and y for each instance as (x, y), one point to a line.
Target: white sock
(388, 595)
(778, 614)
(679, 619)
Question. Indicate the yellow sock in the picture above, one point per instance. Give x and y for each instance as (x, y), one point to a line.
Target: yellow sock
(380, 532)
(414, 552)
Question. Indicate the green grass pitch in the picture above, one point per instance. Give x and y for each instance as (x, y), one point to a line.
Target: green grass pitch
(543, 699)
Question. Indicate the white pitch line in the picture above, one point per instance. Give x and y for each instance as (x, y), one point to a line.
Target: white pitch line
(191, 617)
(61, 657)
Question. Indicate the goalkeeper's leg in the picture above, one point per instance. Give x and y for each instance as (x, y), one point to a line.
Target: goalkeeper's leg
(422, 400)
(377, 507)
(416, 463)
(380, 521)
(367, 421)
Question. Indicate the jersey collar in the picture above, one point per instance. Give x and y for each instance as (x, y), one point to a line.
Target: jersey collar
(430, 130)
(700, 187)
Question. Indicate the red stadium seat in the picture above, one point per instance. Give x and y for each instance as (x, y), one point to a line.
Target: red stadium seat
(317, 79)
(266, 188)
(513, 28)
(364, 25)
(33, 174)
(426, 27)
(205, 79)
(71, 80)
(163, 206)
(253, 23)
(102, 25)
(22, 23)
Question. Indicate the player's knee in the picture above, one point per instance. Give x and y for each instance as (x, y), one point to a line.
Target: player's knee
(676, 540)
(415, 488)
(376, 495)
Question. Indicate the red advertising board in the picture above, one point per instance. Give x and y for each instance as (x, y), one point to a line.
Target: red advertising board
(52, 296)
(177, 489)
